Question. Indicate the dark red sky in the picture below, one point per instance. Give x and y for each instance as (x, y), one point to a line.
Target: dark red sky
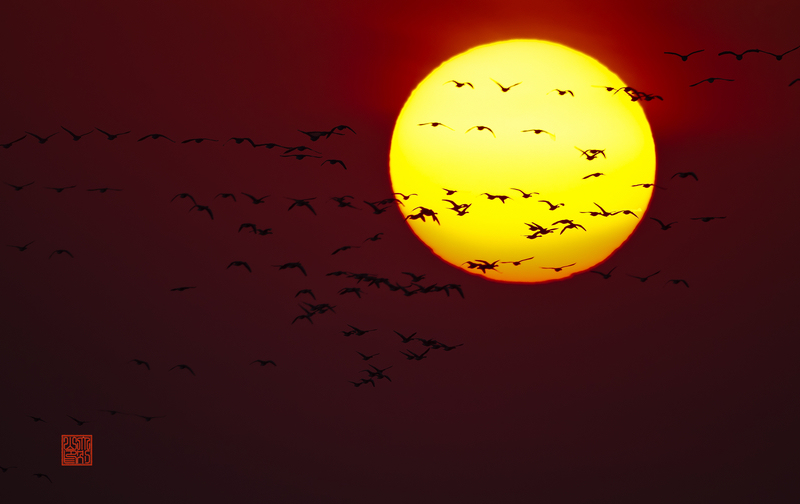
(582, 390)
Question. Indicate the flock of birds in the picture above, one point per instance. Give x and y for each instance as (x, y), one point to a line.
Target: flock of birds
(414, 285)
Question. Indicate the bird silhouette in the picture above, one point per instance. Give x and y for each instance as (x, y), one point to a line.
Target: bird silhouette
(552, 206)
(406, 339)
(300, 148)
(516, 263)
(648, 186)
(366, 357)
(271, 145)
(738, 56)
(664, 227)
(21, 187)
(481, 128)
(111, 136)
(540, 131)
(248, 225)
(21, 248)
(677, 281)
(9, 144)
(360, 332)
(61, 189)
(291, 265)
(41, 139)
(240, 263)
(341, 127)
(148, 418)
(504, 88)
(333, 162)
(263, 363)
(4, 469)
(300, 157)
(501, 197)
(103, 190)
(112, 412)
(36, 419)
(228, 195)
(239, 140)
(375, 237)
(562, 92)
(591, 153)
(710, 80)
(183, 196)
(436, 124)
(706, 219)
(183, 366)
(779, 56)
(411, 355)
(351, 290)
(570, 225)
(346, 247)
(684, 57)
(203, 208)
(449, 192)
(302, 203)
(644, 279)
(605, 276)
(181, 289)
(156, 136)
(448, 348)
(199, 140)
(413, 194)
(40, 475)
(597, 174)
(414, 278)
(523, 193)
(74, 136)
(455, 287)
(423, 212)
(256, 201)
(625, 212)
(459, 84)
(376, 209)
(61, 251)
(79, 422)
(558, 268)
(684, 175)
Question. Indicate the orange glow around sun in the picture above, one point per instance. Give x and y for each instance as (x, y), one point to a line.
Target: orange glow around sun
(469, 136)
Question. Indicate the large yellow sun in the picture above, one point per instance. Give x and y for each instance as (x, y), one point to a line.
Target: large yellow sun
(531, 120)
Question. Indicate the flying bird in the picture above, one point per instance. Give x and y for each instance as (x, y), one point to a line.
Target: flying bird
(591, 153)
(183, 366)
(240, 263)
(291, 265)
(203, 208)
(677, 281)
(79, 422)
(414, 278)
(181, 289)
(9, 144)
(710, 80)
(684, 175)
(239, 140)
(605, 276)
(61, 251)
(552, 206)
(102, 190)
(4, 469)
(459, 84)
(779, 56)
(504, 88)
(37, 419)
(738, 56)
(366, 357)
(796, 80)
(316, 135)
(559, 268)
(664, 227)
(156, 136)
(684, 57)
(598, 174)
(148, 418)
(524, 194)
(21, 248)
(376, 237)
(647, 186)
(540, 131)
(376, 209)
(301, 148)
(199, 140)
(263, 363)
(341, 127)
(435, 124)
(406, 339)
(346, 247)
(361, 332)
(41, 139)
(182, 196)
(481, 128)
(334, 161)
(40, 475)
(562, 92)
(302, 203)
(19, 188)
(61, 189)
(449, 192)
(111, 136)
(74, 136)
(501, 197)
(300, 157)
(256, 201)
(415, 194)
(706, 219)
(644, 279)
(516, 263)
(248, 225)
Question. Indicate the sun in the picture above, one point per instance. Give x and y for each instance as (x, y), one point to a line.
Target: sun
(555, 161)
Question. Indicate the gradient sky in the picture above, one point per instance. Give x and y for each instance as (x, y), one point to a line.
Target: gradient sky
(584, 390)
